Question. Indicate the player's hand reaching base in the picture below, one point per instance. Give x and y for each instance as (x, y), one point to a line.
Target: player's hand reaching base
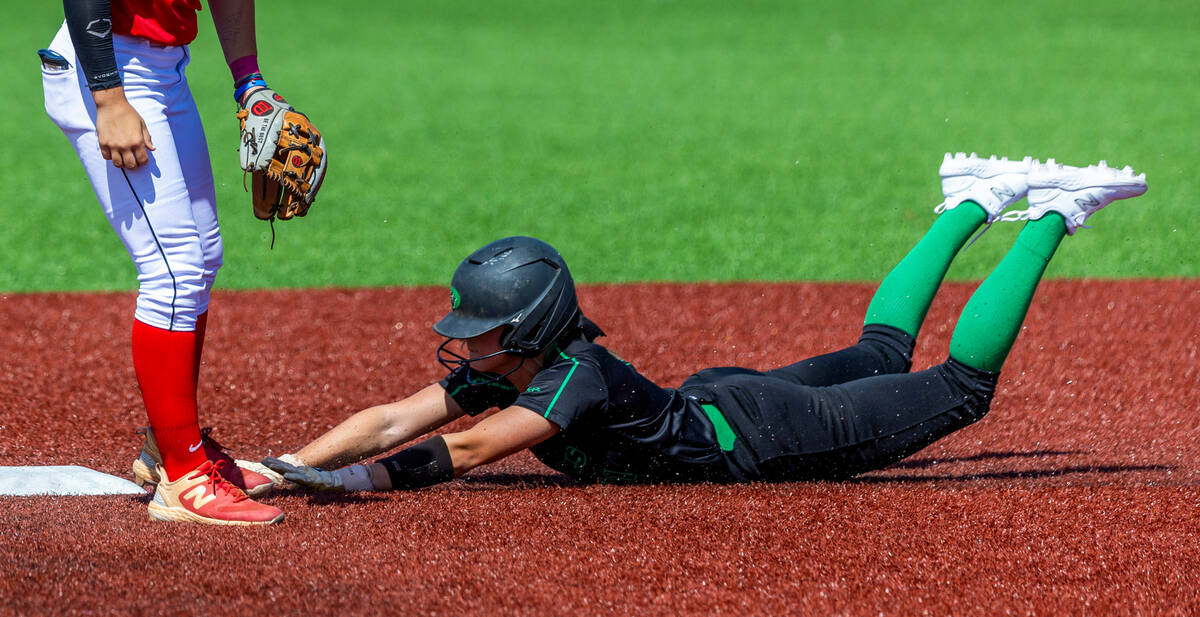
(276, 480)
(308, 477)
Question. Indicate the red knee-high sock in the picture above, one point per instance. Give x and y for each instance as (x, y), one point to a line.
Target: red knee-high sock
(165, 364)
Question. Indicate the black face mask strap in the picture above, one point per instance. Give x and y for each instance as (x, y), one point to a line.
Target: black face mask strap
(453, 362)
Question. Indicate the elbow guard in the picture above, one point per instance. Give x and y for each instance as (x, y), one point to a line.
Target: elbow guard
(424, 464)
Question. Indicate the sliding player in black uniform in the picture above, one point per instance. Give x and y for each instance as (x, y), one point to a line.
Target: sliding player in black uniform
(516, 340)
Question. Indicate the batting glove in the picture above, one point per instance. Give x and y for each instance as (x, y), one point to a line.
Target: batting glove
(310, 477)
(276, 479)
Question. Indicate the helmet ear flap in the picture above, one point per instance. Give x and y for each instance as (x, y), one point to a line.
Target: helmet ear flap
(507, 333)
(556, 310)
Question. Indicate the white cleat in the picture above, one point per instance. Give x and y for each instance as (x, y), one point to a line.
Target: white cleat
(1077, 193)
(995, 184)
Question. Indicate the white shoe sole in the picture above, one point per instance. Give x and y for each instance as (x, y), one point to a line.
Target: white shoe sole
(1052, 175)
(1077, 193)
(960, 164)
(160, 512)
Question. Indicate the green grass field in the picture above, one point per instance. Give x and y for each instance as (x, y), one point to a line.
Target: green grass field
(649, 140)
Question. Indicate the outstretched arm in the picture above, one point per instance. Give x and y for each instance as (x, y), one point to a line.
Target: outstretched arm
(381, 428)
(495, 437)
(446, 457)
(432, 461)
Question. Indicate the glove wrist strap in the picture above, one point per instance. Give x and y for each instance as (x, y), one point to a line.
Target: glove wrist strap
(355, 478)
(243, 85)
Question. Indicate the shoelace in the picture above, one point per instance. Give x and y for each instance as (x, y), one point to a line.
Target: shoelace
(1008, 217)
(218, 483)
(1014, 215)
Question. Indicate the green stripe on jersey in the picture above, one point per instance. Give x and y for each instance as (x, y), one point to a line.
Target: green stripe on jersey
(725, 434)
(554, 400)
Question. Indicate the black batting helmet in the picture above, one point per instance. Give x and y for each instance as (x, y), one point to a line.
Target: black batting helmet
(518, 282)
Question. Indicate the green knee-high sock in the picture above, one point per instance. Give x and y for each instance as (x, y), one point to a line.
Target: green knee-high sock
(904, 296)
(992, 318)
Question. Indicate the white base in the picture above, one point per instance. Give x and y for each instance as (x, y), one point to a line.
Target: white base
(63, 480)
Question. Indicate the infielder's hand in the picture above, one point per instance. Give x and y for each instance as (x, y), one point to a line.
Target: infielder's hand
(310, 477)
(123, 136)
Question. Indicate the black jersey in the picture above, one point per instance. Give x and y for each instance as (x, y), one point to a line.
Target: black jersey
(615, 424)
(824, 418)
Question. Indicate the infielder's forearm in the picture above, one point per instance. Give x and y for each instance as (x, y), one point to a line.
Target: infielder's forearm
(121, 133)
(234, 21)
(378, 429)
(90, 25)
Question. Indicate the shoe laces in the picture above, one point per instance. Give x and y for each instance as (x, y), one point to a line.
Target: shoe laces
(1011, 216)
(1023, 215)
(1014, 215)
(217, 481)
(1007, 216)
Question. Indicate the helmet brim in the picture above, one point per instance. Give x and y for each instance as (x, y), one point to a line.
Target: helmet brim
(459, 326)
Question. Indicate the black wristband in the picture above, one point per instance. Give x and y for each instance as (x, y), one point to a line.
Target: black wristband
(424, 464)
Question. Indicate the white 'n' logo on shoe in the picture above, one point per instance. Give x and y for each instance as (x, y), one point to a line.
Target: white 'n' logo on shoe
(1003, 192)
(1089, 201)
(198, 495)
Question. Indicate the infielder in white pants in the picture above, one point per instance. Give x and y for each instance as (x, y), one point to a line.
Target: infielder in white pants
(114, 82)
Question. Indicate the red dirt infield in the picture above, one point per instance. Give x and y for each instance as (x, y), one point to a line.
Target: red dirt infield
(1079, 494)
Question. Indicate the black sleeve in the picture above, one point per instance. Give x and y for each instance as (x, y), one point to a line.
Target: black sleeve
(424, 464)
(478, 392)
(90, 24)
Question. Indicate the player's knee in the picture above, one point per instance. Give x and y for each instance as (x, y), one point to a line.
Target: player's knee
(894, 347)
(174, 299)
(977, 387)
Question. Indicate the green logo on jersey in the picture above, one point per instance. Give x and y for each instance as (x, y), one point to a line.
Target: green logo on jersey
(575, 458)
(455, 299)
(533, 389)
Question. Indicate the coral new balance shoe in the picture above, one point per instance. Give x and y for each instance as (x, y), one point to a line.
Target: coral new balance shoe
(204, 496)
(992, 183)
(1077, 193)
(145, 465)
